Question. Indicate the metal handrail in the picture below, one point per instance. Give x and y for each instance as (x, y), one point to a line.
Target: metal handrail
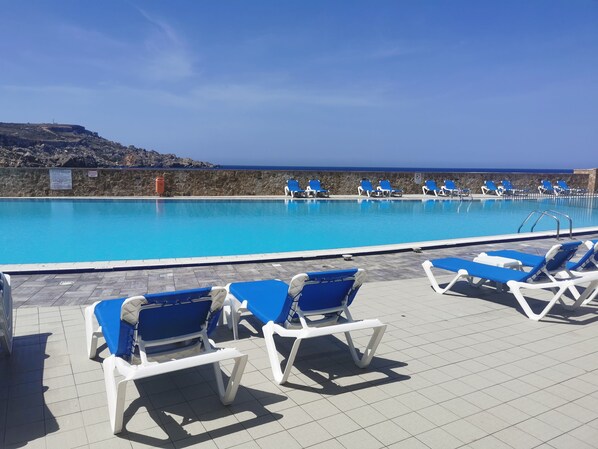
(527, 219)
(542, 214)
(567, 217)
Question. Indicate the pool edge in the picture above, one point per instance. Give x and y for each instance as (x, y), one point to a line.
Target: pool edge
(121, 265)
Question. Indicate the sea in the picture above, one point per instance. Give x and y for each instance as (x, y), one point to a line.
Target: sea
(391, 169)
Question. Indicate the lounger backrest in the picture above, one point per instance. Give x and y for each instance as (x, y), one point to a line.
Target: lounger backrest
(166, 315)
(555, 260)
(366, 185)
(547, 185)
(179, 313)
(431, 185)
(450, 184)
(589, 258)
(385, 184)
(507, 184)
(491, 185)
(314, 184)
(293, 185)
(562, 184)
(323, 290)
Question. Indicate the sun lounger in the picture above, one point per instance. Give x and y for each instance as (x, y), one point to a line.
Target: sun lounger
(431, 187)
(365, 188)
(516, 281)
(386, 188)
(293, 189)
(490, 188)
(157, 334)
(546, 188)
(556, 269)
(589, 259)
(555, 259)
(450, 188)
(563, 188)
(6, 322)
(315, 188)
(509, 189)
(312, 305)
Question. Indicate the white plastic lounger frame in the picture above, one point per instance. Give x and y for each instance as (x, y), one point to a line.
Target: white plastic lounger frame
(493, 189)
(366, 188)
(331, 323)
(6, 321)
(558, 288)
(431, 186)
(201, 353)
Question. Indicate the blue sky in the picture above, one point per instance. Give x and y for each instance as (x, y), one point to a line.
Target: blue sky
(388, 83)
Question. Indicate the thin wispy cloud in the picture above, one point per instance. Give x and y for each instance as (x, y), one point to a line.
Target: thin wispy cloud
(168, 57)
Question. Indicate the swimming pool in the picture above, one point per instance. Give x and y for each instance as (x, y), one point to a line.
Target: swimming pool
(77, 230)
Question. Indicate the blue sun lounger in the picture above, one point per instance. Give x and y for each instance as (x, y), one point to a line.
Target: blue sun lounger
(450, 188)
(293, 189)
(431, 187)
(518, 281)
(546, 188)
(509, 189)
(588, 261)
(315, 188)
(386, 188)
(563, 188)
(312, 305)
(157, 334)
(490, 188)
(6, 321)
(366, 188)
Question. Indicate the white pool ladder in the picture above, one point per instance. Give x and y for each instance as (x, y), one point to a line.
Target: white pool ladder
(554, 214)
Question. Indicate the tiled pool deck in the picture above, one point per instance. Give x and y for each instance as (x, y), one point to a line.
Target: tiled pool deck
(461, 370)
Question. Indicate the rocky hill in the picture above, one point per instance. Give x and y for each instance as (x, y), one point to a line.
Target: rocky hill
(54, 145)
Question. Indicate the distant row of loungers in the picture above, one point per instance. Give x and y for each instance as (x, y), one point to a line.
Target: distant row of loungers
(450, 188)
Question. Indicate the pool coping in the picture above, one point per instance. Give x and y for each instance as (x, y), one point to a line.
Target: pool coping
(121, 265)
(409, 196)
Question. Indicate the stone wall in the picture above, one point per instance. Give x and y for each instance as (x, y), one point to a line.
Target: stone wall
(592, 178)
(19, 182)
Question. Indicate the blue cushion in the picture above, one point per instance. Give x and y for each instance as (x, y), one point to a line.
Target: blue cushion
(330, 291)
(267, 300)
(566, 252)
(497, 274)
(179, 316)
(293, 185)
(366, 185)
(584, 260)
(430, 184)
(118, 334)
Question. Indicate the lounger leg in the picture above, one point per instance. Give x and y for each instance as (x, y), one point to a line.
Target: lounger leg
(116, 394)
(516, 290)
(236, 310)
(227, 396)
(91, 334)
(370, 349)
(279, 376)
(428, 270)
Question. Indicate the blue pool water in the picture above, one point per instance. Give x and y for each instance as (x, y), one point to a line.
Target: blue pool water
(37, 231)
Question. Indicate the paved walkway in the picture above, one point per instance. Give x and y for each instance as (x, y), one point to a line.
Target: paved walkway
(461, 370)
